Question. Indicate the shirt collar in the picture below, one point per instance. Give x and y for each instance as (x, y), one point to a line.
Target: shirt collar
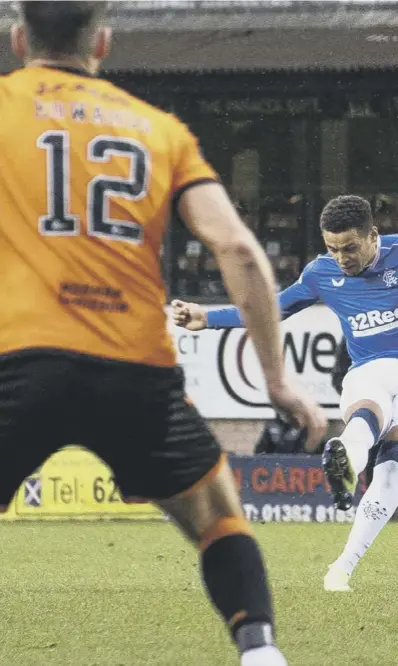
(68, 70)
(377, 255)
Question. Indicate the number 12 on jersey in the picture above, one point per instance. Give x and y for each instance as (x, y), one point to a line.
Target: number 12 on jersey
(59, 221)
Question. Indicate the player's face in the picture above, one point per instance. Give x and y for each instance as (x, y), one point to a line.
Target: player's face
(352, 250)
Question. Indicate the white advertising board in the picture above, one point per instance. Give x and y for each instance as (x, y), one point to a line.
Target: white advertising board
(223, 376)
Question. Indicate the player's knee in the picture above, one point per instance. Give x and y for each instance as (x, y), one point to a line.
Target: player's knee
(377, 412)
(224, 527)
(372, 415)
(210, 509)
(219, 511)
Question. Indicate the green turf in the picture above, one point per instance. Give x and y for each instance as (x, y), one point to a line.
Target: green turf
(129, 595)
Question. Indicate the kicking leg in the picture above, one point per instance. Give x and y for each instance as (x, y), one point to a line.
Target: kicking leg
(345, 457)
(374, 511)
(210, 515)
(366, 403)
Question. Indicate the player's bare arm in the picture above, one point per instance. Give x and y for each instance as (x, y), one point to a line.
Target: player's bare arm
(248, 276)
(244, 266)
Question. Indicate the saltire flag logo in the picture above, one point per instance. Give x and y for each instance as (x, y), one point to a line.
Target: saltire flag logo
(32, 494)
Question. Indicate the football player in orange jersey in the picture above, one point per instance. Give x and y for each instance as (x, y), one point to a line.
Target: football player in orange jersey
(87, 181)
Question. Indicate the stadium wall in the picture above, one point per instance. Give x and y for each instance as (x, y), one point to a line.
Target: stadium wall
(75, 485)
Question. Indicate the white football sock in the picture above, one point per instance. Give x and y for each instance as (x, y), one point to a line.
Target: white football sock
(357, 438)
(374, 511)
(263, 656)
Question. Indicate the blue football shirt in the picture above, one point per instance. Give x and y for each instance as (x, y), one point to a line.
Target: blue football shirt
(366, 304)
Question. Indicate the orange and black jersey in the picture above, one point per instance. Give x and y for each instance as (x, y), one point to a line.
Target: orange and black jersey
(88, 174)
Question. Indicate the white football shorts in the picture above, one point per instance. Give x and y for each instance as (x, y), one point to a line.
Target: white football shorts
(376, 381)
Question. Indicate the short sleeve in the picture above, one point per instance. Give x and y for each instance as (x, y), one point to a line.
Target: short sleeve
(189, 166)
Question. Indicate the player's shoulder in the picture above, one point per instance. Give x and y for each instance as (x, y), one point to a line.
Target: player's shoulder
(309, 272)
(9, 79)
(323, 263)
(389, 242)
(11, 85)
(20, 77)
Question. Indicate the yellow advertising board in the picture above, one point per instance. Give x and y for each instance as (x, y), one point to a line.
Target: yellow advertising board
(74, 484)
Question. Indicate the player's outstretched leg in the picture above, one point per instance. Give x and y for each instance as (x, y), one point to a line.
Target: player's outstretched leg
(233, 570)
(345, 457)
(374, 511)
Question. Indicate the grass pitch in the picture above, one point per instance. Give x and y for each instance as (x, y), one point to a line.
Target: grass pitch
(120, 594)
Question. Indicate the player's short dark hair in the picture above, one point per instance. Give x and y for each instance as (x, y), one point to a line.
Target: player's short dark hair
(61, 28)
(347, 212)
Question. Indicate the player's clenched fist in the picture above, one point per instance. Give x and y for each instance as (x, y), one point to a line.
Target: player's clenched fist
(189, 315)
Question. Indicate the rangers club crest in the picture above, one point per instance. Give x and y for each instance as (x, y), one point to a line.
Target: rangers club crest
(390, 278)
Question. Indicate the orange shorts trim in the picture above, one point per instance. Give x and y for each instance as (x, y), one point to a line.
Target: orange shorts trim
(206, 478)
(225, 527)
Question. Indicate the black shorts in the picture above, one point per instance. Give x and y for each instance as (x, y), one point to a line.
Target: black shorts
(135, 417)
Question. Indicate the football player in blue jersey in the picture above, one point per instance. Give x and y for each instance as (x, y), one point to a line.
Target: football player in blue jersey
(358, 280)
